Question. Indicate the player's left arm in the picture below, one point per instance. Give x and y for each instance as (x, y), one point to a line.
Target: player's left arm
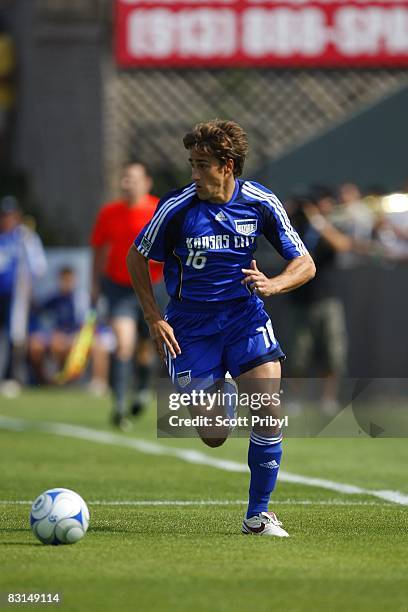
(297, 272)
(277, 229)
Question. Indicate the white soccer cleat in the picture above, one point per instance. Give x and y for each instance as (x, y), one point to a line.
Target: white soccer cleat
(264, 523)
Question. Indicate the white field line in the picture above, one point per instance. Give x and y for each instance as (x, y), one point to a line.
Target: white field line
(210, 502)
(190, 456)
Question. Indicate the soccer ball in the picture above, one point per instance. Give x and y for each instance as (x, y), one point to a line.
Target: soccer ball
(59, 516)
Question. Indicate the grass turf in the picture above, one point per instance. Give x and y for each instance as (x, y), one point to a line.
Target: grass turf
(176, 558)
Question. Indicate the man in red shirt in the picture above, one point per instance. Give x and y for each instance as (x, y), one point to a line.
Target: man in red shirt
(115, 227)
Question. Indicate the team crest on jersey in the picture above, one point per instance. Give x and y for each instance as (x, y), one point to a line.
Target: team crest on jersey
(246, 226)
(146, 244)
(184, 378)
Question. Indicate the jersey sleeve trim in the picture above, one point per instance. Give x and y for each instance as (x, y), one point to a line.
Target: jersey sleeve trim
(272, 202)
(153, 231)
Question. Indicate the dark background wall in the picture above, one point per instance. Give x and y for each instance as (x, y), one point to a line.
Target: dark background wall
(376, 304)
(370, 148)
(59, 125)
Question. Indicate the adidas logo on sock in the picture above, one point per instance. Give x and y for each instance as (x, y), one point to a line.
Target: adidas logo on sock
(271, 465)
(220, 216)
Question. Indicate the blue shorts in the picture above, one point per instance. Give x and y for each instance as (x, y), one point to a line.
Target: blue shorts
(229, 337)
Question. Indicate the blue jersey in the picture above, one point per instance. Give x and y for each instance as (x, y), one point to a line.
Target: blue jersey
(205, 245)
(10, 249)
(58, 313)
(21, 253)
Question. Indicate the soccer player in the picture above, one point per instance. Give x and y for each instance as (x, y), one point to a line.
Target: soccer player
(115, 228)
(206, 235)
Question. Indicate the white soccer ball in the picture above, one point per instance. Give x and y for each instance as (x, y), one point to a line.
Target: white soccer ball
(59, 516)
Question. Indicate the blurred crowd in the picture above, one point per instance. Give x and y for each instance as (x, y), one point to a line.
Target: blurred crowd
(35, 335)
(341, 228)
(40, 336)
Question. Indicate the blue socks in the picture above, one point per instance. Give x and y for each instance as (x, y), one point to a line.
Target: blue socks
(264, 455)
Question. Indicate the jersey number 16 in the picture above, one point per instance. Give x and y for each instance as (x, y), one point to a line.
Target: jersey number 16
(197, 259)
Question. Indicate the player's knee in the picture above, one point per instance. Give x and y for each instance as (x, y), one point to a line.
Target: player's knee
(214, 442)
(59, 343)
(124, 353)
(36, 347)
(124, 329)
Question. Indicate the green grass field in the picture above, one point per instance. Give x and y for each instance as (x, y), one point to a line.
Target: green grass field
(346, 551)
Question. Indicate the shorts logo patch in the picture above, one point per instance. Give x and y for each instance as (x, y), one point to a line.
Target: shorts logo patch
(246, 226)
(146, 244)
(184, 378)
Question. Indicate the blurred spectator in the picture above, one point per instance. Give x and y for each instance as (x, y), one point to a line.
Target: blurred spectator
(116, 226)
(353, 212)
(320, 339)
(22, 261)
(391, 225)
(354, 218)
(53, 327)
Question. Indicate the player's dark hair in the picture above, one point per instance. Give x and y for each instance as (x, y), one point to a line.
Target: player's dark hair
(137, 162)
(66, 270)
(221, 139)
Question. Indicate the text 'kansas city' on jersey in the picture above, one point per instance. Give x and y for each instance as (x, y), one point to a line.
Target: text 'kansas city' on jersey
(205, 245)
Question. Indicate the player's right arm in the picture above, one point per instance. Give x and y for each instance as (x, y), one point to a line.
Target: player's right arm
(153, 243)
(161, 332)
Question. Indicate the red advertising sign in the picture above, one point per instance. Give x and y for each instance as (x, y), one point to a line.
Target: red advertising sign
(152, 33)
